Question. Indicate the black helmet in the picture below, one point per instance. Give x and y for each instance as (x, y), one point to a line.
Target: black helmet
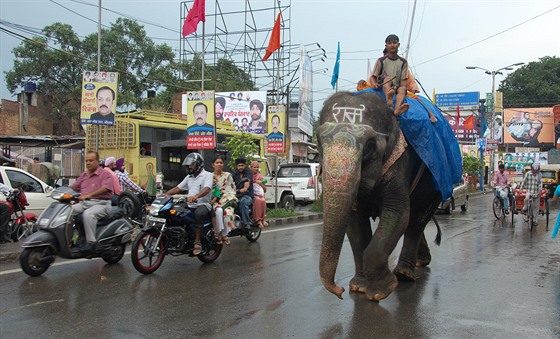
(194, 158)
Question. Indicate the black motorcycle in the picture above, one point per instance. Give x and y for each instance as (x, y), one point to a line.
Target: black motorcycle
(169, 230)
(60, 234)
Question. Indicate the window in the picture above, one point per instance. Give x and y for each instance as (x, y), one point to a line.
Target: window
(24, 182)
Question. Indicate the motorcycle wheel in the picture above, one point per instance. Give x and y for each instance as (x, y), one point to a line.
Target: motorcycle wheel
(146, 255)
(211, 254)
(32, 260)
(114, 254)
(21, 232)
(253, 234)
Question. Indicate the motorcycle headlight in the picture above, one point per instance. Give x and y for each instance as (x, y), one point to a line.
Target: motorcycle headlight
(155, 208)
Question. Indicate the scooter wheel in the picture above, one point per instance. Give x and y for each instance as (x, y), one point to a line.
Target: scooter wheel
(35, 261)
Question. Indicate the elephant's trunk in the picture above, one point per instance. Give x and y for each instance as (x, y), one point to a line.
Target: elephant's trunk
(341, 176)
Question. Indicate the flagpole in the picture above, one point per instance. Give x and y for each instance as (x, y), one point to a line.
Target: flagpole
(410, 31)
(203, 53)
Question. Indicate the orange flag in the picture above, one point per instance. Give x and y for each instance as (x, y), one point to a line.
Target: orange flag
(469, 122)
(274, 42)
(196, 14)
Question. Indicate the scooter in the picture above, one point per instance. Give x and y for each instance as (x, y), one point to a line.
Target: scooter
(60, 234)
(21, 224)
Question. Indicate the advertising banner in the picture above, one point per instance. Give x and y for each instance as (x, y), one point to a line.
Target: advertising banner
(99, 98)
(277, 127)
(246, 111)
(529, 126)
(198, 110)
(463, 134)
(305, 110)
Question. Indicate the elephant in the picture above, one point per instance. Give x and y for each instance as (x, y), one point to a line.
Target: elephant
(368, 171)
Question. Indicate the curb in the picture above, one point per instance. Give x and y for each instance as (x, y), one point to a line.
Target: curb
(10, 252)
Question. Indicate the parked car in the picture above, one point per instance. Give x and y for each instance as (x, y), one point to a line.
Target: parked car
(37, 192)
(460, 197)
(302, 178)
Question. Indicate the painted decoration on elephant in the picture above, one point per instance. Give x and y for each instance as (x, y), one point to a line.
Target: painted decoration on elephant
(348, 114)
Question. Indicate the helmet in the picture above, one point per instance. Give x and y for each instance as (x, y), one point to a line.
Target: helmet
(194, 158)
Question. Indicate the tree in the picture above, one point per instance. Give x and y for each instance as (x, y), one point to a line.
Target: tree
(536, 84)
(56, 62)
(241, 146)
(472, 165)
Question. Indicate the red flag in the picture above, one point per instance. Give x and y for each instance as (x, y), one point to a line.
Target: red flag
(274, 42)
(458, 114)
(469, 122)
(196, 14)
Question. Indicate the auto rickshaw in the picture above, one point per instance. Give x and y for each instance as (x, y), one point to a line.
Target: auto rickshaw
(550, 178)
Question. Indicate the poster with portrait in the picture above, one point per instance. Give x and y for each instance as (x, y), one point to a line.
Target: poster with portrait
(529, 126)
(99, 98)
(198, 110)
(245, 110)
(277, 128)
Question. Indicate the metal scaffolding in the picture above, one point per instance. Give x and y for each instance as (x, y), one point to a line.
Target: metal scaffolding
(241, 34)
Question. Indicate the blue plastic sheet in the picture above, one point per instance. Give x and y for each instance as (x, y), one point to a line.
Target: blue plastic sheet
(435, 143)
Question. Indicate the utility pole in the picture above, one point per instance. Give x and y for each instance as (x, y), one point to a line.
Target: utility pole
(482, 112)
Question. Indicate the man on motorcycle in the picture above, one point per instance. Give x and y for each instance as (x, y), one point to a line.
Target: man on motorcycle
(4, 215)
(502, 184)
(198, 184)
(95, 186)
(244, 183)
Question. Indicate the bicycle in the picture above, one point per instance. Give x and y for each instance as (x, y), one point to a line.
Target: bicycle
(529, 216)
(498, 207)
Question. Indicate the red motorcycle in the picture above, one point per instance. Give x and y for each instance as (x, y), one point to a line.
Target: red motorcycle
(21, 224)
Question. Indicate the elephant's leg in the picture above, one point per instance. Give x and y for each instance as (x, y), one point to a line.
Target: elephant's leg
(381, 281)
(415, 246)
(423, 257)
(359, 236)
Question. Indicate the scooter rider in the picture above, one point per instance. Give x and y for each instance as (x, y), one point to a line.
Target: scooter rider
(198, 184)
(95, 187)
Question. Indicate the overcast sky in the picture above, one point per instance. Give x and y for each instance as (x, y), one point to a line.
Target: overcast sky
(446, 36)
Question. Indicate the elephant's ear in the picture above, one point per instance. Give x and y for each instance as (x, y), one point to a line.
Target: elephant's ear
(374, 148)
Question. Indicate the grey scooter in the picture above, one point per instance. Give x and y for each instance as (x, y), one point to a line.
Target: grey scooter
(59, 234)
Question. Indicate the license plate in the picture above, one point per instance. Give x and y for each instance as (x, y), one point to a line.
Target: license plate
(155, 219)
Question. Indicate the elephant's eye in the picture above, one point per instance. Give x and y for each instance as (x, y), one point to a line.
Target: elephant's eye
(369, 150)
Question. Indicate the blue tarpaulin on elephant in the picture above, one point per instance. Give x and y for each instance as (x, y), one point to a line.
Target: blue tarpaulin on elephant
(435, 143)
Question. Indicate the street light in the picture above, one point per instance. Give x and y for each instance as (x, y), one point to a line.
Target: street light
(493, 112)
(493, 74)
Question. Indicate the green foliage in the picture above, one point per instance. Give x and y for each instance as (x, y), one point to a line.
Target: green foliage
(472, 165)
(536, 84)
(241, 146)
(281, 213)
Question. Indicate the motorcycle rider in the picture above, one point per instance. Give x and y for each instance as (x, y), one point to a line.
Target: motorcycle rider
(95, 186)
(244, 182)
(5, 215)
(198, 184)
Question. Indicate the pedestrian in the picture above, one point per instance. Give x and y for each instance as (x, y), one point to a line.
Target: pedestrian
(556, 197)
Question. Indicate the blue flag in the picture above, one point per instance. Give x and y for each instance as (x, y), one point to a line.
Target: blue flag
(334, 78)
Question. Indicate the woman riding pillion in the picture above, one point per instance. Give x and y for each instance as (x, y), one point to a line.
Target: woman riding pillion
(502, 184)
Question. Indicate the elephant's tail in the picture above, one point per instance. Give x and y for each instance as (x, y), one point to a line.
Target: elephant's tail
(438, 235)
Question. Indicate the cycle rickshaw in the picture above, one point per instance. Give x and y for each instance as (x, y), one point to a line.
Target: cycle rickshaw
(529, 218)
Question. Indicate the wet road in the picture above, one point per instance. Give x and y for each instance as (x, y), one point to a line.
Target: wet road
(487, 279)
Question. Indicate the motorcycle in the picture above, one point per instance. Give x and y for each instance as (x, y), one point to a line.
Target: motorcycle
(59, 234)
(21, 224)
(169, 230)
(252, 233)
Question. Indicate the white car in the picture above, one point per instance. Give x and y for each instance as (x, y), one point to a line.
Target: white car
(37, 192)
(302, 177)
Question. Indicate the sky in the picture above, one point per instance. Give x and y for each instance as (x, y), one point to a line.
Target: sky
(446, 35)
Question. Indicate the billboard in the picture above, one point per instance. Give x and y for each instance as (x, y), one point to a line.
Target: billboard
(465, 100)
(462, 134)
(245, 110)
(277, 127)
(99, 97)
(305, 110)
(529, 126)
(198, 110)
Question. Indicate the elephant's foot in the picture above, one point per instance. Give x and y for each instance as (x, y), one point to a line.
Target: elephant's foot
(404, 273)
(358, 284)
(423, 262)
(380, 289)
